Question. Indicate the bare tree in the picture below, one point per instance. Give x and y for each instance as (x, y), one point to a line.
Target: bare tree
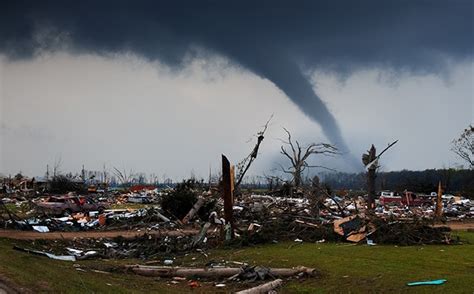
(105, 175)
(464, 146)
(122, 176)
(299, 155)
(154, 179)
(83, 174)
(57, 165)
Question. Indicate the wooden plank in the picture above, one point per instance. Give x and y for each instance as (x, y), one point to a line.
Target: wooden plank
(227, 191)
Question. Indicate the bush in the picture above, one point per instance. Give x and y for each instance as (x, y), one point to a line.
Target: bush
(182, 199)
(62, 184)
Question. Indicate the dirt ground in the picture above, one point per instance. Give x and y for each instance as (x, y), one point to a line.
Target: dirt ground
(459, 225)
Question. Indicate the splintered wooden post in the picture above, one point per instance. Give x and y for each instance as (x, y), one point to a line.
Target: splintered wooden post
(439, 202)
(227, 191)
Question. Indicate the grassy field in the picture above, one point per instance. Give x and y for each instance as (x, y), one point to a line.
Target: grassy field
(344, 268)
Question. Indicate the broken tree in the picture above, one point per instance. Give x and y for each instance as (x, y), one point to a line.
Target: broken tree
(299, 156)
(244, 165)
(199, 203)
(370, 160)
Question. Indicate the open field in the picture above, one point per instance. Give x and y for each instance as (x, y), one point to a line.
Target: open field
(343, 268)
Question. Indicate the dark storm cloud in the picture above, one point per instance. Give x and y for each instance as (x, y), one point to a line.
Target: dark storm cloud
(273, 39)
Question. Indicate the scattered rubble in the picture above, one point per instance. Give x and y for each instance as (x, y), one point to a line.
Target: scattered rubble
(258, 218)
(255, 219)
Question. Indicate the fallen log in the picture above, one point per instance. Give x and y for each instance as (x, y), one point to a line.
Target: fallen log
(200, 202)
(221, 272)
(264, 288)
(162, 217)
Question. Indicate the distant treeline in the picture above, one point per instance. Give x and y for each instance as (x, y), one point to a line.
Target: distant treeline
(452, 180)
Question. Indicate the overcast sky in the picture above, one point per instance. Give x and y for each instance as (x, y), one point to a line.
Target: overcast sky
(68, 93)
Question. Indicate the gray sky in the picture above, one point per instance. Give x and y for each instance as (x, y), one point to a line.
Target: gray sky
(127, 112)
(165, 87)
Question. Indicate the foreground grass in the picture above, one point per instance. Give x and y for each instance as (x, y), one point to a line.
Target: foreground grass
(363, 269)
(343, 268)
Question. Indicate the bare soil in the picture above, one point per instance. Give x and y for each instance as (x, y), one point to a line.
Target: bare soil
(459, 225)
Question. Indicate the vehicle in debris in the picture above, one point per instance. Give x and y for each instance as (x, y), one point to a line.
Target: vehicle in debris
(388, 194)
(406, 198)
(65, 205)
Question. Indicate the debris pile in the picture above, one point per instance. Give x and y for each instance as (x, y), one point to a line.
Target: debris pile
(113, 219)
(413, 232)
(257, 218)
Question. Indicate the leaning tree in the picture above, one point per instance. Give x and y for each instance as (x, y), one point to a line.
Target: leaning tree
(464, 146)
(299, 155)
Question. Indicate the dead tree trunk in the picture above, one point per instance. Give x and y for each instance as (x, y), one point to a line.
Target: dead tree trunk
(371, 180)
(370, 160)
(299, 155)
(297, 175)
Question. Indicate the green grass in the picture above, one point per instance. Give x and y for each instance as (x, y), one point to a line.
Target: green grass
(343, 268)
(41, 274)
